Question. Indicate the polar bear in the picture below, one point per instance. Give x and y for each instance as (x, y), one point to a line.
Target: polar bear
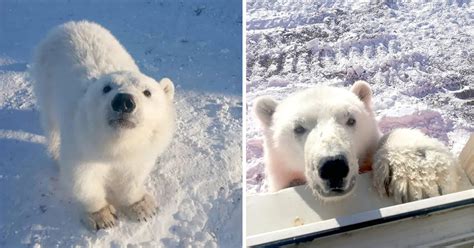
(105, 122)
(325, 135)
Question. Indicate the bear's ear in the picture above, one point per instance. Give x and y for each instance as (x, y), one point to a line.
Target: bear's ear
(168, 87)
(362, 90)
(264, 108)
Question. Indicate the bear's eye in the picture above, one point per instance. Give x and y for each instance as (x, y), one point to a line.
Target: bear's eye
(351, 122)
(106, 89)
(299, 129)
(147, 93)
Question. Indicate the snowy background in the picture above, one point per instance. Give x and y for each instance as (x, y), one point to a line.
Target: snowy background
(418, 57)
(197, 183)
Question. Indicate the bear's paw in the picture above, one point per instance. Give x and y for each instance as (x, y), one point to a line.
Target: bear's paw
(142, 210)
(409, 166)
(106, 217)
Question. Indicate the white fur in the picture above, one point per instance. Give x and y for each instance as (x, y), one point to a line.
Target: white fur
(408, 165)
(324, 112)
(100, 164)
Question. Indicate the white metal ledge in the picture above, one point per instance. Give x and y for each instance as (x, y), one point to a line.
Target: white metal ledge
(293, 216)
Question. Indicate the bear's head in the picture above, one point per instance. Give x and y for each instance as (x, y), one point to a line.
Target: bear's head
(323, 131)
(126, 110)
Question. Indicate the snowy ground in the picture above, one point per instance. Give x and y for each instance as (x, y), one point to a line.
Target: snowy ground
(418, 57)
(197, 183)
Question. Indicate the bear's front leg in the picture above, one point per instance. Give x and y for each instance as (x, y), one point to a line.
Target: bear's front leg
(137, 203)
(409, 166)
(89, 190)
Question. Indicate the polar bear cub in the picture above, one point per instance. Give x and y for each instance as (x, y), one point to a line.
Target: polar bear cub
(324, 135)
(105, 121)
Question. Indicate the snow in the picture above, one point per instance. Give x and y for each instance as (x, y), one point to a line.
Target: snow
(418, 58)
(197, 183)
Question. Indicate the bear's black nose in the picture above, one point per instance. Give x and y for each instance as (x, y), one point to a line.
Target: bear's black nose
(334, 170)
(123, 103)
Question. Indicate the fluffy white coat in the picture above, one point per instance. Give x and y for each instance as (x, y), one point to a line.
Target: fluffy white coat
(77, 70)
(409, 166)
